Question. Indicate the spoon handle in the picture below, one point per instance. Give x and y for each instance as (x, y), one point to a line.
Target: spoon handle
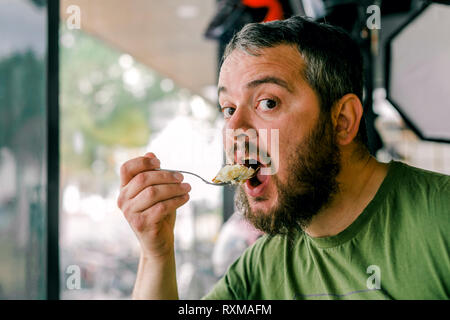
(204, 180)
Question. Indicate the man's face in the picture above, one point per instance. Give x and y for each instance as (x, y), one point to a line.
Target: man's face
(268, 92)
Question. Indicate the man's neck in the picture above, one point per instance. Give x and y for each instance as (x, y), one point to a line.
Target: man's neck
(359, 181)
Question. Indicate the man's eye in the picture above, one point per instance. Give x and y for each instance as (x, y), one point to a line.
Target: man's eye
(227, 112)
(267, 104)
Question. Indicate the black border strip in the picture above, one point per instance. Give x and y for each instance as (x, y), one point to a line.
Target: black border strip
(52, 149)
(387, 79)
(220, 309)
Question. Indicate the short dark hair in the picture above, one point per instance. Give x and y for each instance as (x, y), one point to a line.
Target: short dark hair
(333, 60)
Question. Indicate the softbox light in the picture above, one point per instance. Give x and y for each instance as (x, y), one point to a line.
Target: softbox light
(418, 72)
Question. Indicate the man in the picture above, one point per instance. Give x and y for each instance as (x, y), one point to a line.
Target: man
(338, 223)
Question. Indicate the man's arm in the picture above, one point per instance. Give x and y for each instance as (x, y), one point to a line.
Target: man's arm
(148, 199)
(156, 279)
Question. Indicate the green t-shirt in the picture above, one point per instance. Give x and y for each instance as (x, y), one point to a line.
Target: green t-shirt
(397, 248)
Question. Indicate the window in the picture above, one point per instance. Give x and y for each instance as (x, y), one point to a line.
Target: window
(23, 150)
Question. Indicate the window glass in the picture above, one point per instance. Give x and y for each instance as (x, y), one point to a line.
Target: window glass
(22, 149)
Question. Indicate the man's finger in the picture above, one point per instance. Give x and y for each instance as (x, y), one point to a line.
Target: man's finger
(147, 178)
(134, 166)
(162, 209)
(151, 195)
(150, 155)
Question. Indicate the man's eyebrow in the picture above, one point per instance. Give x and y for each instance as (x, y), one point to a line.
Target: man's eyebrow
(258, 82)
(270, 79)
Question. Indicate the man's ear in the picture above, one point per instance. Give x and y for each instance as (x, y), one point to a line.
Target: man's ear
(347, 115)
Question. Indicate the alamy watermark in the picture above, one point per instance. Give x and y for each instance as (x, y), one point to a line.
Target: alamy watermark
(373, 283)
(74, 19)
(374, 20)
(73, 281)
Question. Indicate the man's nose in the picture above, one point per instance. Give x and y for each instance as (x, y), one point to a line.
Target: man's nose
(240, 119)
(239, 133)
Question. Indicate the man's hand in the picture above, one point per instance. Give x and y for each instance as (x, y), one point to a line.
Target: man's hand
(148, 199)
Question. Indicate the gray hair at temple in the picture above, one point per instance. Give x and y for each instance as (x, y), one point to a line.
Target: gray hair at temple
(333, 61)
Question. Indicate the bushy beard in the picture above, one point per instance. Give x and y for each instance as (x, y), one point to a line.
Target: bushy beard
(314, 166)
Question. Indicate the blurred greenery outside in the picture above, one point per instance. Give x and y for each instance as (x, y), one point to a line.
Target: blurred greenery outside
(96, 108)
(22, 136)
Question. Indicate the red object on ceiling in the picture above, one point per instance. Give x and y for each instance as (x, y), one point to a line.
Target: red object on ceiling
(275, 11)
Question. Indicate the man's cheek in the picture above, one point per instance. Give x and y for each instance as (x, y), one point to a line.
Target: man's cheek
(284, 166)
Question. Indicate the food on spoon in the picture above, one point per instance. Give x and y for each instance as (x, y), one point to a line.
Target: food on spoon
(235, 173)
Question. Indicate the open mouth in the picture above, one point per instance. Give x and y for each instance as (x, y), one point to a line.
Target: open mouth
(256, 179)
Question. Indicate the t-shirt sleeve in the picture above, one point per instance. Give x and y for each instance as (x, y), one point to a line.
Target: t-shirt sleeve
(223, 289)
(237, 282)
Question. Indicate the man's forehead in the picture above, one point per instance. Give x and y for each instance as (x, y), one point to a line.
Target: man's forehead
(282, 64)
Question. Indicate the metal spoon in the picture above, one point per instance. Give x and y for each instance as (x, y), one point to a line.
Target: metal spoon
(204, 180)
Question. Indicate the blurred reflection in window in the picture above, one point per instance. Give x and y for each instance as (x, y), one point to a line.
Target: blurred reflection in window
(23, 149)
(113, 109)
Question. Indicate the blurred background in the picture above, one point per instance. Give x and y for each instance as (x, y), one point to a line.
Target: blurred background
(87, 85)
